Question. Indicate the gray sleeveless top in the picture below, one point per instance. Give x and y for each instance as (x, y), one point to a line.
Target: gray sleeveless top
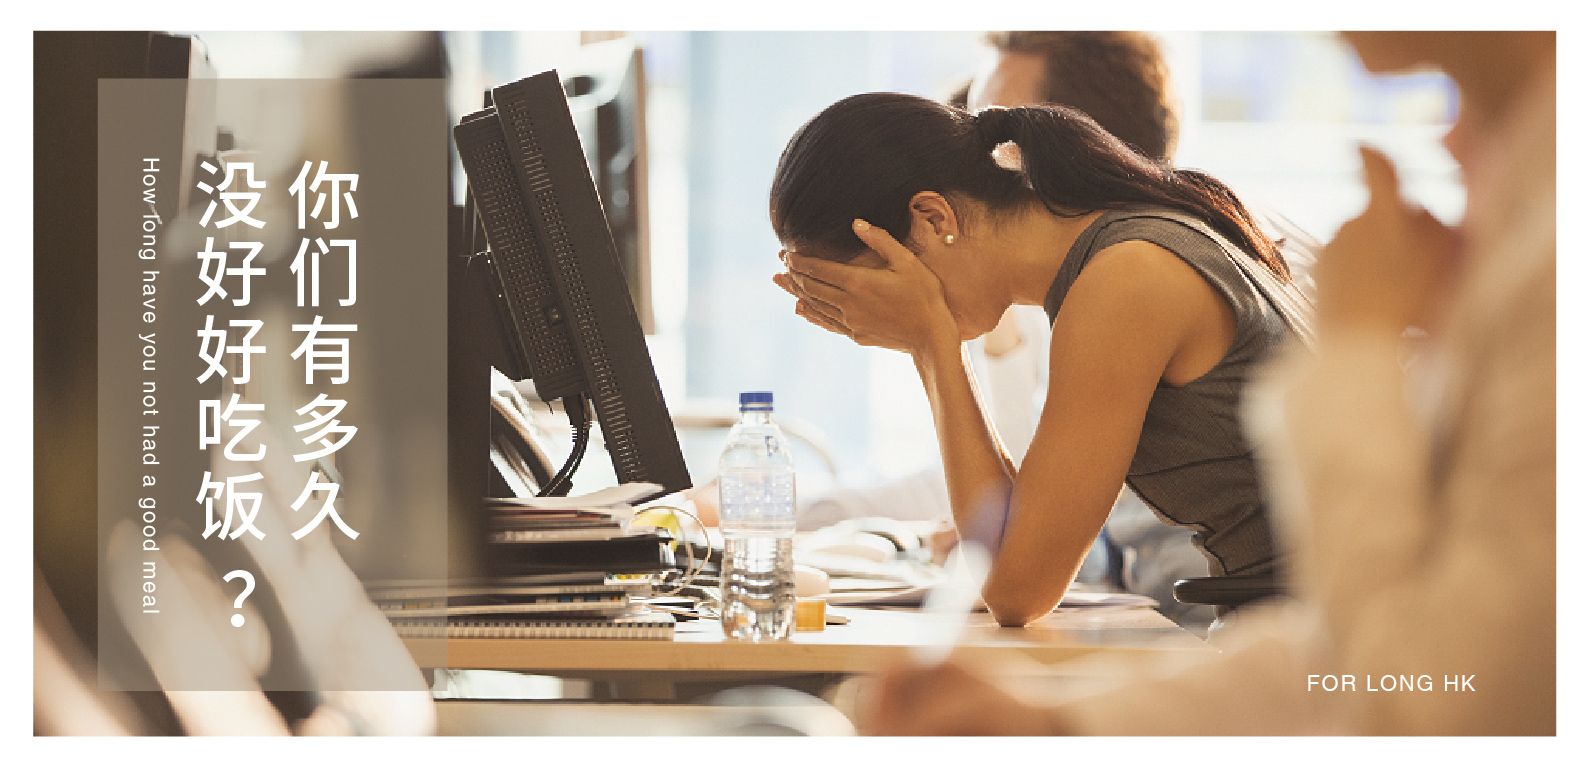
(1194, 466)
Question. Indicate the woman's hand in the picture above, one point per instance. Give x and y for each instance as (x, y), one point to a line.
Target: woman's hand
(899, 306)
(1388, 268)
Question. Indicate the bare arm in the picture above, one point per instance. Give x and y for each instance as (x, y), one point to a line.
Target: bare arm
(1136, 315)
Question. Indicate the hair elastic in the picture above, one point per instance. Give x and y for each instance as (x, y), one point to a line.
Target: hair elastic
(994, 125)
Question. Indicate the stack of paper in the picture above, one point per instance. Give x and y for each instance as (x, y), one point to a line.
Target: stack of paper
(568, 605)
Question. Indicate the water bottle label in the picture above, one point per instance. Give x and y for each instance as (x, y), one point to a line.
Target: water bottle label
(757, 500)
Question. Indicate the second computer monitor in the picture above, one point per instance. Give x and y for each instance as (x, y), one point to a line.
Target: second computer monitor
(563, 298)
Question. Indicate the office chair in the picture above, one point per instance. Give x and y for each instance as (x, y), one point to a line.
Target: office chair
(1230, 592)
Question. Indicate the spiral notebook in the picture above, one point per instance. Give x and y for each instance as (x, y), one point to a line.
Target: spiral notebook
(652, 625)
(594, 604)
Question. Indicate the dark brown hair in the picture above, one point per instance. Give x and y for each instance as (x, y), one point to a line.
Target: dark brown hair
(1118, 78)
(866, 156)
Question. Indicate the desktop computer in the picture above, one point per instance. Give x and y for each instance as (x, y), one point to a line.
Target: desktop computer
(552, 291)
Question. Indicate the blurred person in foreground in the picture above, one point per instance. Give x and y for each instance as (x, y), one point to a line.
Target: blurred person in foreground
(1420, 501)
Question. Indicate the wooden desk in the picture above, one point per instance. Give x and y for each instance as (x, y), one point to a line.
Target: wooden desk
(701, 653)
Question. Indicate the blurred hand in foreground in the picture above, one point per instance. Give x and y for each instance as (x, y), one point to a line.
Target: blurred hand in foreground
(1389, 268)
(948, 699)
(943, 538)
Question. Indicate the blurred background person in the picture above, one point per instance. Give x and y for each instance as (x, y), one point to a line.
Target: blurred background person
(1420, 500)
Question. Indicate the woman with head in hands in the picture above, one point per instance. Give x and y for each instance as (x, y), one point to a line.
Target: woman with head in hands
(911, 225)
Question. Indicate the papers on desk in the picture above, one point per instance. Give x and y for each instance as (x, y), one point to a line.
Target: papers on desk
(885, 591)
(620, 497)
(587, 606)
(863, 592)
(904, 572)
(601, 515)
(905, 578)
(859, 581)
(1082, 599)
(645, 625)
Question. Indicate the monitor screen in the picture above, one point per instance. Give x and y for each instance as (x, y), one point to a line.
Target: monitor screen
(562, 298)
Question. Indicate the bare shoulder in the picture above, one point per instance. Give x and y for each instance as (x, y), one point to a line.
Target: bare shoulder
(1131, 295)
(1140, 275)
(1139, 294)
(1141, 262)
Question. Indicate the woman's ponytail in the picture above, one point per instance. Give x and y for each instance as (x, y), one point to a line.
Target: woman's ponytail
(866, 156)
(1073, 165)
(993, 126)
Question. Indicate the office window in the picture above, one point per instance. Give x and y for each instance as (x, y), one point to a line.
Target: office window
(722, 107)
(1278, 115)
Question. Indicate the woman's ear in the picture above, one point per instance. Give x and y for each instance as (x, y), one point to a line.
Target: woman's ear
(934, 221)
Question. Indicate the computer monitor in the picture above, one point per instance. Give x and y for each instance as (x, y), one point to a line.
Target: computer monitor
(606, 88)
(564, 308)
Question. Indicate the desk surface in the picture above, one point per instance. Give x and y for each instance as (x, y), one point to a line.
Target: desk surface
(871, 638)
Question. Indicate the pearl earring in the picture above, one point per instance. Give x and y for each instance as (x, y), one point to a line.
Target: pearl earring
(948, 240)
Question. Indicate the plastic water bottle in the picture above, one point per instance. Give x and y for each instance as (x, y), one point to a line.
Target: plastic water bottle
(757, 517)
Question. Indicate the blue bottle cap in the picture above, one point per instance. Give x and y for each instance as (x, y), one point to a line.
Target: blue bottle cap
(760, 399)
